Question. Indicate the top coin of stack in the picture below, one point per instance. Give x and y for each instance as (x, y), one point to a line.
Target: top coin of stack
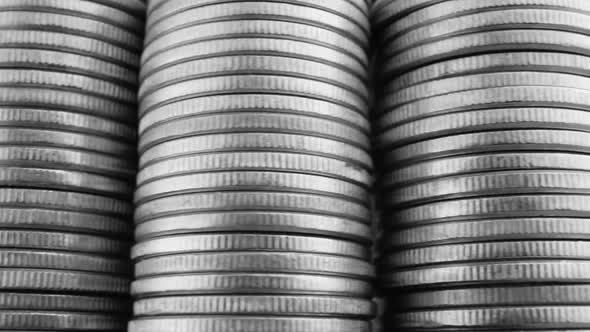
(252, 201)
(67, 76)
(484, 133)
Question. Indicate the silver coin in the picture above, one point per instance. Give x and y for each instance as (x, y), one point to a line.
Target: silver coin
(203, 48)
(254, 161)
(295, 223)
(245, 181)
(90, 8)
(65, 180)
(41, 137)
(69, 62)
(75, 25)
(487, 184)
(496, 18)
(506, 96)
(35, 218)
(67, 121)
(556, 205)
(508, 272)
(547, 317)
(491, 141)
(158, 7)
(38, 259)
(59, 302)
(251, 201)
(208, 177)
(62, 281)
(192, 243)
(76, 100)
(254, 262)
(495, 62)
(255, 84)
(65, 159)
(252, 64)
(251, 122)
(253, 141)
(99, 89)
(250, 283)
(482, 81)
(13, 319)
(484, 120)
(61, 200)
(468, 243)
(52, 240)
(542, 295)
(68, 103)
(290, 12)
(450, 9)
(236, 103)
(261, 27)
(388, 10)
(255, 305)
(135, 7)
(350, 10)
(63, 41)
(487, 251)
(497, 229)
(490, 41)
(247, 324)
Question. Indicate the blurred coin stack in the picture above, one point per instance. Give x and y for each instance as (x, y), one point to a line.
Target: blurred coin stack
(67, 92)
(483, 139)
(252, 206)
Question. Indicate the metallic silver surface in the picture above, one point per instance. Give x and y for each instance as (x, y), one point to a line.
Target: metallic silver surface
(248, 44)
(298, 222)
(236, 261)
(481, 133)
(501, 296)
(13, 319)
(263, 243)
(78, 303)
(253, 194)
(255, 305)
(67, 161)
(248, 324)
(251, 283)
(548, 317)
(249, 102)
(306, 13)
(254, 161)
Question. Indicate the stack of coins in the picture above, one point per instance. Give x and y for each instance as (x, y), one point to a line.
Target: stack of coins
(67, 76)
(252, 206)
(483, 137)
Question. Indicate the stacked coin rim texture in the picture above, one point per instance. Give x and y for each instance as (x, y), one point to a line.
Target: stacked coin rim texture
(483, 139)
(68, 72)
(252, 200)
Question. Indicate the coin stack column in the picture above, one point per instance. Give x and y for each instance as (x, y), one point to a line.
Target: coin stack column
(252, 206)
(67, 93)
(483, 138)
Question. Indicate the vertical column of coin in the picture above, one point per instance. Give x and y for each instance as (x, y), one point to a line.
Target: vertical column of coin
(484, 138)
(252, 210)
(67, 92)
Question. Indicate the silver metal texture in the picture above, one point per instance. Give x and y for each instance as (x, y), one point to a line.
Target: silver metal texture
(481, 137)
(206, 243)
(68, 91)
(255, 305)
(248, 324)
(253, 207)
